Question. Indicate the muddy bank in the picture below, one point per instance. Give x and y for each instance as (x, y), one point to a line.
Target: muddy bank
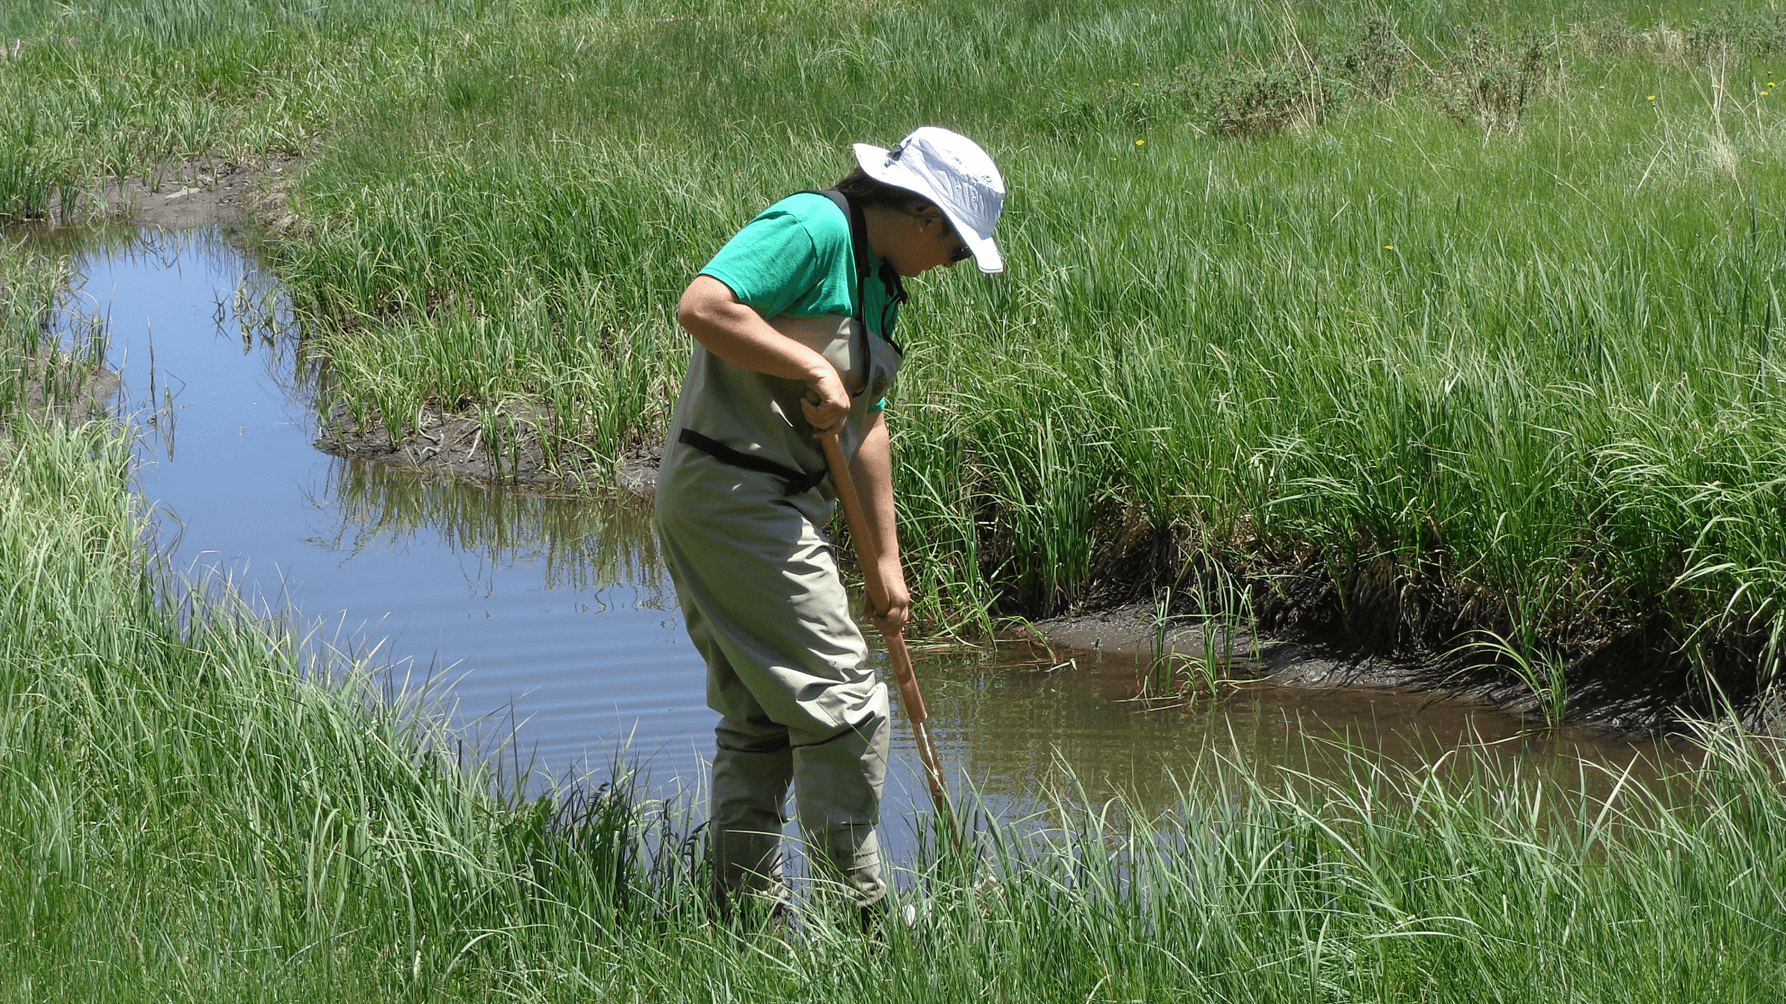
(57, 387)
(203, 192)
(452, 444)
(456, 444)
(1640, 699)
(1132, 632)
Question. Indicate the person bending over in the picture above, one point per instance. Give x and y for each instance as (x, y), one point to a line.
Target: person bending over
(794, 320)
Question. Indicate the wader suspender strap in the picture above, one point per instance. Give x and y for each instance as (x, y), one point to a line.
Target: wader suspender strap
(852, 211)
(796, 482)
(859, 245)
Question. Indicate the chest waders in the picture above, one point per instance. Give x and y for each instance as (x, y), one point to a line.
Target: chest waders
(743, 511)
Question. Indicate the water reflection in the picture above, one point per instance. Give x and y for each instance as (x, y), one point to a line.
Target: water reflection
(579, 543)
(543, 620)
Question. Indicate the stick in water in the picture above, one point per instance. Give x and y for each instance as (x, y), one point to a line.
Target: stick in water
(895, 637)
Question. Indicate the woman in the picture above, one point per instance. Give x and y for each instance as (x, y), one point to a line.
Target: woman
(794, 319)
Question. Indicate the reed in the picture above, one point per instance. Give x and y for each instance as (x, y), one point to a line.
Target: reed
(1518, 371)
(188, 816)
(1531, 366)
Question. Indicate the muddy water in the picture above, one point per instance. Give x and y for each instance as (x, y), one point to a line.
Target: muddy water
(548, 624)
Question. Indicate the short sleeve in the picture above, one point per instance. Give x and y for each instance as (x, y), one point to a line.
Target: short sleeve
(770, 264)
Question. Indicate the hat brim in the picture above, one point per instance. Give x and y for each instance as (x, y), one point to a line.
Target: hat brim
(873, 160)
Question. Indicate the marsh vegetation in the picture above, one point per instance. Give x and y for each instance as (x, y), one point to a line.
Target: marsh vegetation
(1425, 324)
(186, 816)
(1426, 321)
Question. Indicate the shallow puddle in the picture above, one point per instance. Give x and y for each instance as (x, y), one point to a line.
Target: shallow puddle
(1021, 726)
(549, 624)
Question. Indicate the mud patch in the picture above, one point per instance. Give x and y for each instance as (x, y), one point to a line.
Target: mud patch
(1131, 632)
(638, 470)
(55, 386)
(453, 444)
(206, 191)
(457, 445)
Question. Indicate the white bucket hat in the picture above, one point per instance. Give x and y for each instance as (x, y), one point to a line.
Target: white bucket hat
(954, 173)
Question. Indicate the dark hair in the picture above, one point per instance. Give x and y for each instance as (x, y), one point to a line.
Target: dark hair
(871, 192)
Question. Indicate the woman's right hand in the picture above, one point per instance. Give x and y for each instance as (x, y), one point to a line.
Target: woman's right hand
(826, 403)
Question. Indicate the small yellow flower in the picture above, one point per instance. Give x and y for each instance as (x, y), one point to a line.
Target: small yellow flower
(1389, 247)
(1770, 83)
(1652, 97)
(1140, 142)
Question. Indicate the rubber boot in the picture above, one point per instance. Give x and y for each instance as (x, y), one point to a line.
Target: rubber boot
(749, 791)
(837, 790)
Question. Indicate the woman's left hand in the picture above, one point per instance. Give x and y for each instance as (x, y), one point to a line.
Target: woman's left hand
(899, 599)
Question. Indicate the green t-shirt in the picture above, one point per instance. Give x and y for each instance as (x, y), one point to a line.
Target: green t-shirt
(795, 259)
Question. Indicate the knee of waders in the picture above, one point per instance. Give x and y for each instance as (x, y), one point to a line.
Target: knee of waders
(750, 789)
(837, 783)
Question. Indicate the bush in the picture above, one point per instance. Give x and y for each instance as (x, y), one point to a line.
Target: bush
(1493, 82)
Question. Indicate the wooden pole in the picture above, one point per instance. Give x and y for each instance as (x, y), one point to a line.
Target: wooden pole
(897, 653)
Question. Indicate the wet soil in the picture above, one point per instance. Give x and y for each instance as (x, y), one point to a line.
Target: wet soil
(204, 192)
(452, 444)
(58, 389)
(456, 445)
(1629, 698)
(638, 470)
(1131, 631)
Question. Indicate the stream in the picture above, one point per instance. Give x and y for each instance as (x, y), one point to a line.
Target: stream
(547, 628)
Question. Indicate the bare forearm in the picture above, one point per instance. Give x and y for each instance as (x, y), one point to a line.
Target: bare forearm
(738, 334)
(735, 332)
(872, 470)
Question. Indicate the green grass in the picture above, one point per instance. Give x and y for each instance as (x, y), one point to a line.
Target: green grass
(186, 817)
(1471, 334)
